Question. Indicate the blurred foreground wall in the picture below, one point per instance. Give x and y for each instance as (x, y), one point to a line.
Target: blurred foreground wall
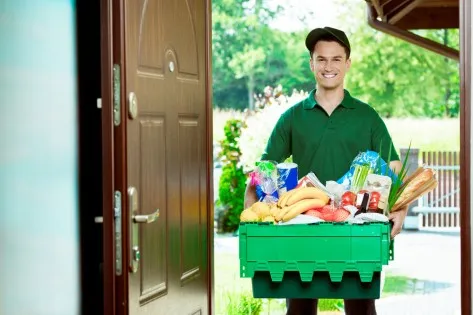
(39, 243)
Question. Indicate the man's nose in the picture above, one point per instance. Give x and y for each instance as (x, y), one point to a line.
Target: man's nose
(328, 66)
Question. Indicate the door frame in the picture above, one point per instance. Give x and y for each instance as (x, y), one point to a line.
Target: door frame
(114, 156)
(109, 55)
(465, 156)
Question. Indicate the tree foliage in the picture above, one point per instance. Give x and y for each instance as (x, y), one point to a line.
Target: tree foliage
(395, 77)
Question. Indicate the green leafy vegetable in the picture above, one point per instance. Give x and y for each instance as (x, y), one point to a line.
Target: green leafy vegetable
(397, 187)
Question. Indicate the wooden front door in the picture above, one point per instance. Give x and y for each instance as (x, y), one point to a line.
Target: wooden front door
(167, 165)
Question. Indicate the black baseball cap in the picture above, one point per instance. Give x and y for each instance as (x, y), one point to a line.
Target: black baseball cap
(314, 36)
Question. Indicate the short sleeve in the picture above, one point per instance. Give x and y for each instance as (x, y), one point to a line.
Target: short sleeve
(278, 147)
(381, 140)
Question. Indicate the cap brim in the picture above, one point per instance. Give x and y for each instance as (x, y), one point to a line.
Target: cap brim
(316, 34)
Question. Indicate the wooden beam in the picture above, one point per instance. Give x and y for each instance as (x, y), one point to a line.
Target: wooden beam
(430, 18)
(404, 11)
(378, 8)
(439, 3)
(411, 37)
(394, 6)
(385, 2)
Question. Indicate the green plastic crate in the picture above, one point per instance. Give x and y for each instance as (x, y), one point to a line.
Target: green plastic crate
(321, 260)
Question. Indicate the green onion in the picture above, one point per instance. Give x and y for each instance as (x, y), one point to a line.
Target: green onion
(396, 187)
(359, 177)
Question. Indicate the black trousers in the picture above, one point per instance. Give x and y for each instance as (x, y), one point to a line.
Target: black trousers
(309, 307)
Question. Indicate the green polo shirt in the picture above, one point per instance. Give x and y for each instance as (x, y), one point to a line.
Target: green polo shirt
(327, 145)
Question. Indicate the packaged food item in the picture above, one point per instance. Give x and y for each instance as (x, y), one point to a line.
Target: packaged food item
(348, 198)
(379, 187)
(287, 177)
(310, 180)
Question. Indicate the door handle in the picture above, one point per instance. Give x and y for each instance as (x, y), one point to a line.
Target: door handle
(134, 220)
(150, 218)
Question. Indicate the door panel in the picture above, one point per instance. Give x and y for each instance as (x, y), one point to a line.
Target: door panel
(167, 156)
(153, 192)
(191, 211)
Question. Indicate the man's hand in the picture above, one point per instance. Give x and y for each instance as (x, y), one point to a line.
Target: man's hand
(398, 220)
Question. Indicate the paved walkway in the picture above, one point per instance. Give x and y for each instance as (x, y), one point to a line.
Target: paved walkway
(432, 258)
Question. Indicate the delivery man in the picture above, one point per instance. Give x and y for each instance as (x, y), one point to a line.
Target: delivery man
(325, 132)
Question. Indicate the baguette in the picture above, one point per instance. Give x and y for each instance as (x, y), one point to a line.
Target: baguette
(415, 183)
(416, 173)
(424, 189)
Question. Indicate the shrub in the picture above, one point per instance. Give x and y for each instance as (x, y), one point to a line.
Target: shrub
(258, 126)
(232, 182)
(243, 304)
(330, 305)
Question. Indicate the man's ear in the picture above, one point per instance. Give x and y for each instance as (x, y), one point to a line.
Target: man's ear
(311, 62)
(348, 63)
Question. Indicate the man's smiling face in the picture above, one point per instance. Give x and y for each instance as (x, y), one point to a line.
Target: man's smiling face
(329, 64)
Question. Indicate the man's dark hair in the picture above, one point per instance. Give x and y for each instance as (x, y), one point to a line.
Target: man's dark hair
(330, 38)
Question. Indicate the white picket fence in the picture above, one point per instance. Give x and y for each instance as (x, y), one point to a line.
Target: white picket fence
(439, 210)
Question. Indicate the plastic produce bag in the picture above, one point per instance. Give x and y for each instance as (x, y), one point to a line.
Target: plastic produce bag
(265, 179)
(370, 159)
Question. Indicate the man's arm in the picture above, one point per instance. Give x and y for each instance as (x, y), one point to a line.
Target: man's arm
(382, 142)
(250, 195)
(395, 166)
(278, 149)
(397, 217)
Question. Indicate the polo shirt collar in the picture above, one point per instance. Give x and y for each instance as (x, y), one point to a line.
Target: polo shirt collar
(310, 102)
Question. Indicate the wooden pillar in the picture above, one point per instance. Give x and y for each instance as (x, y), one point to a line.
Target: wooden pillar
(466, 55)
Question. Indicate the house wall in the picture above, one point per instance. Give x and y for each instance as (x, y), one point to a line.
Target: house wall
(39, 247)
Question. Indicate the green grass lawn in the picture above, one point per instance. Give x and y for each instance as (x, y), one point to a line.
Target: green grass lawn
(230, 287)
(425, 134)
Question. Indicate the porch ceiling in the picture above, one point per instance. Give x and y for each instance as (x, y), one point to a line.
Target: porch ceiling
(401, 17)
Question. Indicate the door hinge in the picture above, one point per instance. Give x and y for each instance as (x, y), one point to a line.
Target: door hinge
(116, 95)
(117, 209)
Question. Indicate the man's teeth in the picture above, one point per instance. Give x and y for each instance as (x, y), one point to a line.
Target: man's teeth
(329, 76)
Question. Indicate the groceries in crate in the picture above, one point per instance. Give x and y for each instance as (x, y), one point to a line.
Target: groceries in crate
(291, 204)
(368, 192)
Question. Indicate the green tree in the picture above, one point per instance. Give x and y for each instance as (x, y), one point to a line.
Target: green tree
(241, 45)
(398, 78)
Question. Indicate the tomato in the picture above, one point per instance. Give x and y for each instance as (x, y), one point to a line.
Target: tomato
(348, 198)
(374, 200)
(375, 195)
